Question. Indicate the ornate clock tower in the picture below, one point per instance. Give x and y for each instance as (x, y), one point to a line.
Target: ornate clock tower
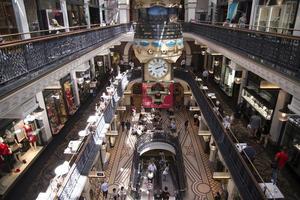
(158, 43)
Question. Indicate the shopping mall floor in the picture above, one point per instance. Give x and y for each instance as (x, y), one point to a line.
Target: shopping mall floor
(199, 175)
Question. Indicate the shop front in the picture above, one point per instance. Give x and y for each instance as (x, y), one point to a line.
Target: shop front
(56, 109)
(291, 140)
(84, 84)
(260, 96)
(69, 94)
(76, 13)
(21, 141)
(276, 16)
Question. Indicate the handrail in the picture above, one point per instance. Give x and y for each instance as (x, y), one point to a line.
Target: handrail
(245, 182)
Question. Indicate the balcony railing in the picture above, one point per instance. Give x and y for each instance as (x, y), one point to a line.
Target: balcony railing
(244, 180)
(158, 31)
(24, 61)
(277, 51)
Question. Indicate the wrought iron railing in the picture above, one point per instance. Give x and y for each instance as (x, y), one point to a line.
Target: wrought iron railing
(158, 31)
(277, 51)
(21, 62)
(244, 180)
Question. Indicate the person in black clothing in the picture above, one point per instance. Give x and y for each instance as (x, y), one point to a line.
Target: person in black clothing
(186, 124)
(123, 125)
(157, 195)
(165, 194)
(128, 125)
(218, 196)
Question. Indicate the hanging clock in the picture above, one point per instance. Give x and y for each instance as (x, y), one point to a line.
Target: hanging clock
(158, 68)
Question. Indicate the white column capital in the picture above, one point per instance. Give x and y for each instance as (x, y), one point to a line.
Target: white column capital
(21, 18)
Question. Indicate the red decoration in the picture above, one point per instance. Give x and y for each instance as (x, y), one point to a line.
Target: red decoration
(158, 95)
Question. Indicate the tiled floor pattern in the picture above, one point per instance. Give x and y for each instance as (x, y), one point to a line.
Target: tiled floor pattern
(199, 177)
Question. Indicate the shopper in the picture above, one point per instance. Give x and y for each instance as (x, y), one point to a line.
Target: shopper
(114, 194)
(122, 193)
(265, 135)
(128, 125)
(186, 124)
(255, 124)
(165, 173)
(205, 76)
(278, 164)
(165, 194)
(104, 189)
(123, 125)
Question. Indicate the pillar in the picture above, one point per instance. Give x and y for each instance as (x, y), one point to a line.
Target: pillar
(253, 13)
(231, 189)
(123, 11)
(297, 23)
(63, 7)
(44, 117)
(21, 18)
(100, 11)
(190, 10)
(243, 84)
(276, 125)
(87, 13)
(92, 67)
(213, 150)
(76, 93)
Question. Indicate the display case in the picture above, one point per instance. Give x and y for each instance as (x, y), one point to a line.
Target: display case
(257, 103)
(227, 80)
(67, 87)
(83, 84)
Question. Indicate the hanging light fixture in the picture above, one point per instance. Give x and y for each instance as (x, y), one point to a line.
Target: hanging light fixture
(216, 63)
(237, 80)
(283, 114)
(203, 52)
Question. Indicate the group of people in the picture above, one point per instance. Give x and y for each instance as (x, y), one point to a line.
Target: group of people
(115, 195)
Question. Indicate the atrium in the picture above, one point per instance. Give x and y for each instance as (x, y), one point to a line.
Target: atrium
(149, 99)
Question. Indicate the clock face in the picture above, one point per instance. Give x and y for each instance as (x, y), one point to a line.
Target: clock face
(158, 68)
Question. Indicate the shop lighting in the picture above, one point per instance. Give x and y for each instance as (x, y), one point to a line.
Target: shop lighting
(284, 114)
(203, 52)
(216, 63)
(56, 96)
(237, 80)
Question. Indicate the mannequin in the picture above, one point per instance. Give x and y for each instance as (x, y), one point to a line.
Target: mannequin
(6, 154)
(14, 145)
(30, 136)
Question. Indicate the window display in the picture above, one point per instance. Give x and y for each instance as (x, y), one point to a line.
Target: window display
(227, 80)
(68, 94)
(56, 109)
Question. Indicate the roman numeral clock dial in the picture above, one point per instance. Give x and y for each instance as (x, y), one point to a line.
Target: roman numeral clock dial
(158, 68)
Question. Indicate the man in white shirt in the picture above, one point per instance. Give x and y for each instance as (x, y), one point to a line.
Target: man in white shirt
(104, 189)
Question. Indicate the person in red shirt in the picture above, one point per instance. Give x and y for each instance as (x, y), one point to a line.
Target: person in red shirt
(280, 160)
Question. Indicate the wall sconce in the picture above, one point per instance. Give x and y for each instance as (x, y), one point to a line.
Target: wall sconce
(237, 80)
(99, 63)
(203, 53)
(216, 63)
(283, 114)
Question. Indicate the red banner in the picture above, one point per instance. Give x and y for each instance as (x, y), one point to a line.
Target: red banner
(158, 95)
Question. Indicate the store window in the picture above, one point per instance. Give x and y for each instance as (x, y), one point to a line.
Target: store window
(20, 143)
(56, 109)
(8, 22)
(68, 94)
(276, 16)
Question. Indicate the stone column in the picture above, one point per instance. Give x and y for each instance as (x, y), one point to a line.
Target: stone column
(21, 18)
(63, 7)
(76, 92)
(100, 11)
(123, 6)
(44, 117)
(297, 23)
(213, 150)
(276, 125)
(87, 13)
(190, 10)
(92, 67)
(231, 189)
(243, 84)
(253, 13)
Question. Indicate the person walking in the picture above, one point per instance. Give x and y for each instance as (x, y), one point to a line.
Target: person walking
(165, 173)
(128, 125)
(186, 124)
(205, 76)
(114, 194)
(123, 125)
(104, 189)
(165, 194)
(265, 135)
(122, 193)
(218, 196)
(255, 124)
(278, 164)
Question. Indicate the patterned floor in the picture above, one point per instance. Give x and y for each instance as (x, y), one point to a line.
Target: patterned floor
(199, 176)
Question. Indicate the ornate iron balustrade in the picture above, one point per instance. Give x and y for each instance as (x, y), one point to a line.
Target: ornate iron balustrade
(242, 176)
(24, 61)
(158, 31)
(87, 155)
(279, 52)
